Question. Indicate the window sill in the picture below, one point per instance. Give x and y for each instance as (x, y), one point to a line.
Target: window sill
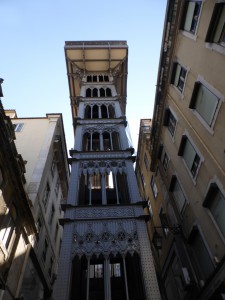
(215, 47)
(189, 35)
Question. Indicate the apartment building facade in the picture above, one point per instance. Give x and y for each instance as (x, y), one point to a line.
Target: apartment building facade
(17, 224)
(186, 149)
(41, 141)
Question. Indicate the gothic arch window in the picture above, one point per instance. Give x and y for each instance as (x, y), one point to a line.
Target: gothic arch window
(87, 113)
(106, 78)
(111, 111)
(102, 92)
(95, 92)
(95, 112)
(122, 185)
(100, 78)
(89, 78)
(96, 141)
(94, 78)
(87, 142)
(115, 141)
(88, 92)
(108, 92)
(106, 141)
(104, 111)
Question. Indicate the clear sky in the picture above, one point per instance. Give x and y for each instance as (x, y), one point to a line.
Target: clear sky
(32, 61)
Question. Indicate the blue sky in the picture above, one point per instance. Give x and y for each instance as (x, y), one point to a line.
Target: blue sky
(32, 61)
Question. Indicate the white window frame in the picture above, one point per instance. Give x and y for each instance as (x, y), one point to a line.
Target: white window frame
(181, 209)
(218, 95)
(154, 187)
(189, 34)
(187, 136)
(222, 191)
(178, 65)
(211, 44)
(18, 127)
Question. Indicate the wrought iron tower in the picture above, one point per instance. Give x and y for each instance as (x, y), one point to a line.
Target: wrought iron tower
(105, 251)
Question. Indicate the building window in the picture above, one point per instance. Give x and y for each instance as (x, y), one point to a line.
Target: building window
(45, 249)
(56, 231)
(179, 76)
(170, 121)
(46, 194)
(154, 187)
(146, 162)
(204, 102)
(216, 31)
(143, 181)
(18, 127)
(96, 271)
(203, 263)
(6, 229)
(178, 194)
(164, 222)
(39, 226)
(191, 16)
(115, 270)
(165, 161)
(150, 208)
(215, 202)
(190, 156)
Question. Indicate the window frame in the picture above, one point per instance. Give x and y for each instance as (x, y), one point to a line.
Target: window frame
(193, 170)
(190, 33)
(154, 187)
(212, 192)
(170, 121)
(181, 208)
(175, 78)
(213, 42)
(146, 162)
(202, 84)
(18, 127)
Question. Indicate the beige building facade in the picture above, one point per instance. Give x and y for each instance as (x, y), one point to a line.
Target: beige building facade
(41, 141)
(186, 148)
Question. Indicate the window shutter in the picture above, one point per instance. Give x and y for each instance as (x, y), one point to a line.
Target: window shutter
(220, 25)
(211, 192)
(177, 75)
(206, 104)
(213, 22)
(182, 145)
(166, 117)
(173, 74)
(189, 16)
(194, 94)
(160, 151)
(172, 183)
(189, 154)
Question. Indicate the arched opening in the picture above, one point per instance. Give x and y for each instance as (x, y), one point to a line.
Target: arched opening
(86, 142)
(117, 278)
(122, 185)
(96, 192)
(94, 78)
(95, 92)
(102, 92)
(89, 78)
(106, 141)
(115, 141)
(88, 92)
(95, 112)
(106, 78)
(111, 111)
(87, 112)
(95, 141)
(104, 111)
(79, 278)
(108, 92)
(111, 188)
(100, 78)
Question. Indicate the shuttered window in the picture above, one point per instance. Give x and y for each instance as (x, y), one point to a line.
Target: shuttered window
(204, 102)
